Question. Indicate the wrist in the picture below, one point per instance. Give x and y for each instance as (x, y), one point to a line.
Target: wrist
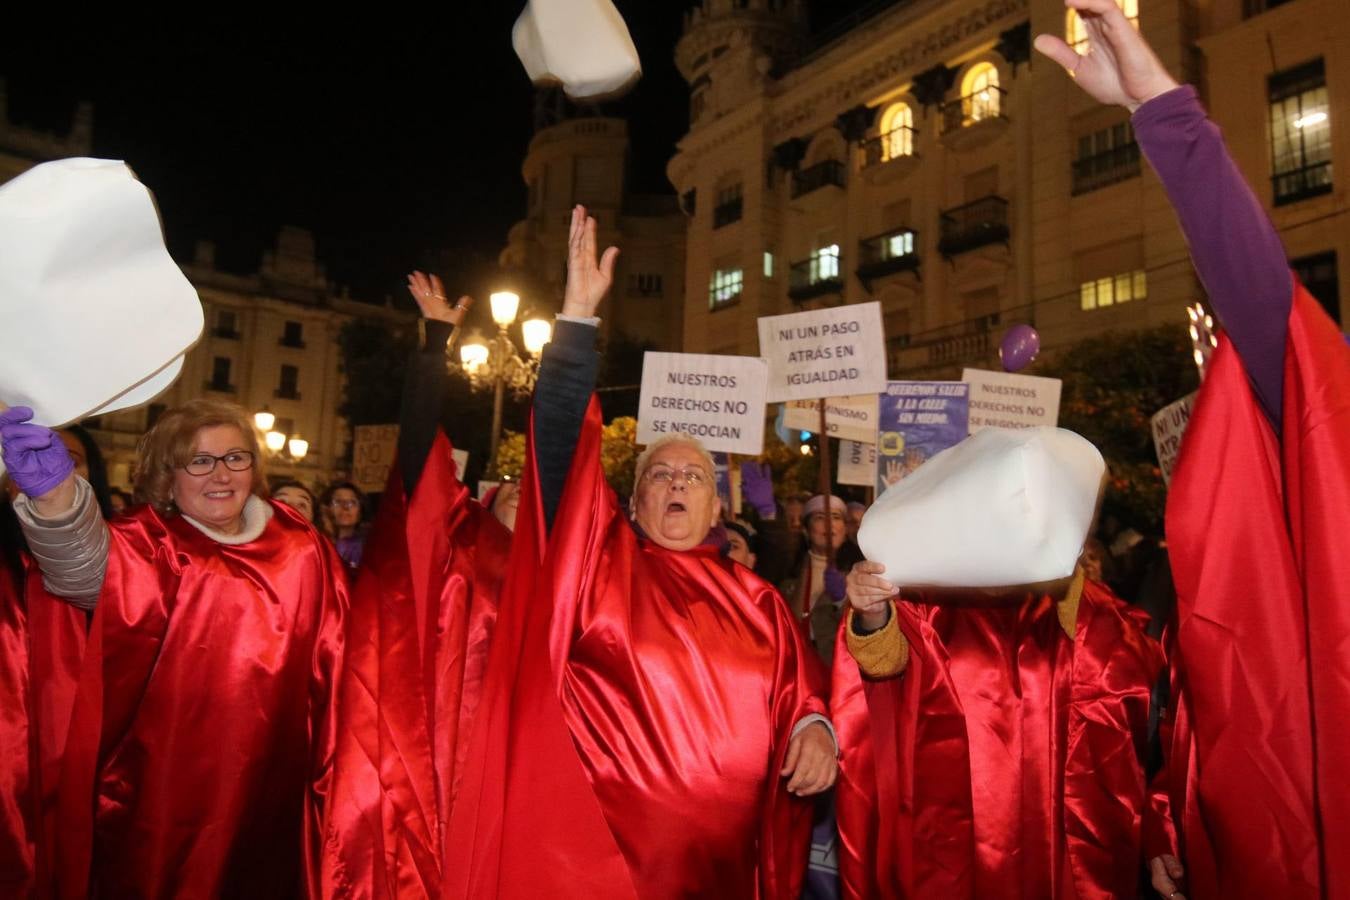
(874, 619)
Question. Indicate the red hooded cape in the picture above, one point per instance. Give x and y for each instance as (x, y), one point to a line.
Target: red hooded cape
(197, 753)
(1005, 762)
(637, 709)
(1257, 776)
(421, 617)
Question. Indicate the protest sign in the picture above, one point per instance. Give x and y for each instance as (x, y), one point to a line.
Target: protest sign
(373, 450)
(824, 353)
(851, 418)
(485, 486)
(1169, 424)
(918, 420)
(1005, 400)
(717, 399)
(461, 458)
(857, 463)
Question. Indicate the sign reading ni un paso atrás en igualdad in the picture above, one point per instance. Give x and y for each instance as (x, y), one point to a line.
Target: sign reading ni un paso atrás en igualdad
(717, 399)
(824, 353)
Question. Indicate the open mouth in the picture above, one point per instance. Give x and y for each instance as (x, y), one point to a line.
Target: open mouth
(219, 495)
(675, 507)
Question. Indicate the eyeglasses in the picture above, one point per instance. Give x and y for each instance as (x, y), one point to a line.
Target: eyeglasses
(663, 475)
(344, 504)
(204, 463)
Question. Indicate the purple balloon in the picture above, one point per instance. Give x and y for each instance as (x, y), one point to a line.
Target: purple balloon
(1019, 347)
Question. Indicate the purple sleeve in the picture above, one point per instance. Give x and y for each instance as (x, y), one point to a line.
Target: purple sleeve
(1236, 250)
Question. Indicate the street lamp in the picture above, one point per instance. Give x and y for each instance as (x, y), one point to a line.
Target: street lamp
(277, 441)
(499, 363)
(264, 419)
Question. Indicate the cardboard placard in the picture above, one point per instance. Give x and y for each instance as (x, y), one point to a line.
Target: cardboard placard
(374, 448)
(857, 463)
(1006, 400)
(918, 420)
(824, 353)
(852, 418)
(717, 399)
(1169, 425)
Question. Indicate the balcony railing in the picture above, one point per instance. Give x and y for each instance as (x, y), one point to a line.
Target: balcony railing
(286, 393)
(229, 334)
(984, 221)
(985, 104)
(814, 277)
(894, 144)
(728, 212)
(894, 251)
(822, 174)
(1108, 167)
(1300, 184)
(220, 387)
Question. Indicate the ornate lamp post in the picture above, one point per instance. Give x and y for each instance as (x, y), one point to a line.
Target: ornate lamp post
(500, 364)
(276, 441)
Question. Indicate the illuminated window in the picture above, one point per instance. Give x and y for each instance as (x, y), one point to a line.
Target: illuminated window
(1075, 33)
(768, 264)
(825, 263)
(1113, 290)
(897, 131)
(724, 288)
(1300, 133)
(980, 93)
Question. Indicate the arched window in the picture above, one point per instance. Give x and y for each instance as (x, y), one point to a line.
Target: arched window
(897, 131)
(980, 93)
(1075, 34)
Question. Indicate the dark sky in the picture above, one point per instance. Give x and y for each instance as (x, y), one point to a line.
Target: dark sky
(398, 143)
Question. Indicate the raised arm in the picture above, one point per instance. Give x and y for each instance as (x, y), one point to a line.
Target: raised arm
(1236, 250)
(569, 366)
(425, 385)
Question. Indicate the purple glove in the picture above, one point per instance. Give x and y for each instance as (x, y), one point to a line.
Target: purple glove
(835, 585)
(757, 489)
(33, 454)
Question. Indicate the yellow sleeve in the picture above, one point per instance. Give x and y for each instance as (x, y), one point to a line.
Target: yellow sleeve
(1067, 608)
(881, 654)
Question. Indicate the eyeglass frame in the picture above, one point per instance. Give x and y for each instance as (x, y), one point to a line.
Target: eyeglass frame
(217, 460)
(703, 476)
(337, 503)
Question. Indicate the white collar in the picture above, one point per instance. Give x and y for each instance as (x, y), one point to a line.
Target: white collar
(256, 514)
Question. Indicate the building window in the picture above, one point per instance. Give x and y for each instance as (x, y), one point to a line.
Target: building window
(292, 335)
(1105, 157)
(289, 388)
(724, 288)
(227, 325)
(729, 205)
(1300, 133)
(220, 375)
(980, 93)
(825, 263)
(1112, 290)
(1318, 274)
(1256, 7)
(768, 264)
(152, 414)
(897, 131)
(1075, 33)
(644, 285)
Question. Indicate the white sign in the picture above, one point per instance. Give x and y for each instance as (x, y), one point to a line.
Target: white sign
(717, 399)
(484, 487)
(857, 463)
(373, 452)
(1169, 424)
(848, 418)
(461, 458)
(1005, 400)
(824, 353)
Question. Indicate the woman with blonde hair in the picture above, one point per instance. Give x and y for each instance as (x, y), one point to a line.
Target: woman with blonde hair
(196, 756)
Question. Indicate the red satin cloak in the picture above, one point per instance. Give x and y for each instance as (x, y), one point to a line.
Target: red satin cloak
(630, 745)
(1005, 761)
(421, 617)
(1257, 775)
(199, 746)
(41, 642)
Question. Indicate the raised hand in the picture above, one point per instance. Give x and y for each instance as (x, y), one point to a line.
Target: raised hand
(757, 488)
(1166, 872)
(869, 594)
(431, 299)
(37, 460)
(1119, 66)
(812, 762)
(895, 471)
(587, 280)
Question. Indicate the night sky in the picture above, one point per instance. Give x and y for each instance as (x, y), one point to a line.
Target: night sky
(398, 143)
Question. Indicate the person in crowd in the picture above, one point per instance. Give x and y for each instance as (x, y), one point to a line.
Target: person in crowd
(196, 758)
(1256, 517)
(638, 673)
(854, 516)
(816, 590)
(742, 542)
(794, 512)
(297, 497)
(41, 638)
(345, 506)
(422, 614)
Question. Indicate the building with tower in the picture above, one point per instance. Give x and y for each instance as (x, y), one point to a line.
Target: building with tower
(920, 157)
